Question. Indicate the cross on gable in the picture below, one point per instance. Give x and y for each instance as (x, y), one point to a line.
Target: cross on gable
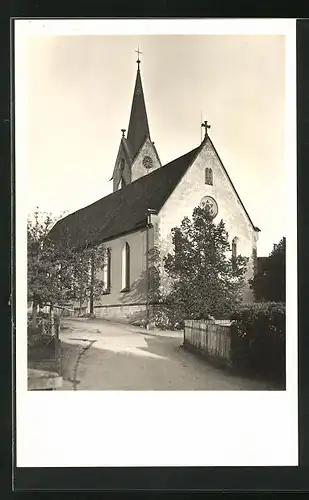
(206, 126)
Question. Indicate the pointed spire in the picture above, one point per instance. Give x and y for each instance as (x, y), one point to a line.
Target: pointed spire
(138, 128)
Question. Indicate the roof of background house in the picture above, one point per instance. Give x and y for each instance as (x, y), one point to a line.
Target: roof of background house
(124, 210)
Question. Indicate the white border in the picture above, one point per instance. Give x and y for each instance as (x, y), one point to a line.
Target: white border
(155, 428)
(135, 27)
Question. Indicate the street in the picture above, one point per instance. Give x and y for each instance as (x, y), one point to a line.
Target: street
(101, 355)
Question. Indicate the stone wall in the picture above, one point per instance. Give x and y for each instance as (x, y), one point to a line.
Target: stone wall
(130, 313)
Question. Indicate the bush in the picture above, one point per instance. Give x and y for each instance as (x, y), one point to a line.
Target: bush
(166, 318)
(258, 340)
(42, 324)
(162, 319)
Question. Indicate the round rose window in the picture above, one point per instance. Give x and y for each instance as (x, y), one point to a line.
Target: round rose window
(211, 204)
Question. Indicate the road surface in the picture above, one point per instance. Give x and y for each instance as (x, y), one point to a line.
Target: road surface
(101, 355)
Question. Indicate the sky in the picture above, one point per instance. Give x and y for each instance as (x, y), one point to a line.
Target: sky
(79, 94)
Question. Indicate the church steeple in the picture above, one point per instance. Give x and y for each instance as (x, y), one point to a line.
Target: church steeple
(138, 128)
(137, 155)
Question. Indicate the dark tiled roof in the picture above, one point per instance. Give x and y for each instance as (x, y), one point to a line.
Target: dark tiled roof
(124, 210)
(138, 125)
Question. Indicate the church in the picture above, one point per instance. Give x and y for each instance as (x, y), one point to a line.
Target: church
(147, 201)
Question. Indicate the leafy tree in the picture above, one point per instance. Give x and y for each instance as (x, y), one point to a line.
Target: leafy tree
(41, 263)
(269, 282)
(57, 271)
(205, 279)
(88, 281)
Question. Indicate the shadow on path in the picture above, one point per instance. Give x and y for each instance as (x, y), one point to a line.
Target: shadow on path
(161, 365)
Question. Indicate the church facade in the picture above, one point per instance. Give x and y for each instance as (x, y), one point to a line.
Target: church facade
(147, 201)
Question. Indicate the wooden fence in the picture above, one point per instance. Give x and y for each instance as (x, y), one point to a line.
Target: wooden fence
(60, 310)
(211, 337)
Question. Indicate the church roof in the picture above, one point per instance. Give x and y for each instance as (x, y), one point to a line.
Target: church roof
(138, 125)
(124, 210)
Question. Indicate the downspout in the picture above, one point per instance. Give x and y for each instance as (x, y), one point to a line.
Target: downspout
(148, 226)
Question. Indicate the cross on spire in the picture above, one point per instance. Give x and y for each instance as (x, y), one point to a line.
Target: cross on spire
(206, 126)
(138, 59)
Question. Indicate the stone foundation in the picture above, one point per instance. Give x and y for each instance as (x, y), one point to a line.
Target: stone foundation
(124, 313)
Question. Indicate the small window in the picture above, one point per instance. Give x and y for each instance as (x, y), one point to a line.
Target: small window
(126, 268)
(208, 176)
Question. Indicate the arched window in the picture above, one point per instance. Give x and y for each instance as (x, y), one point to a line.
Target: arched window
(208, 176)
(126, 267)
(234, 251)
(107, 271)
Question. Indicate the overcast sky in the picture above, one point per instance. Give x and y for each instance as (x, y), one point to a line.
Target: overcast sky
(79, 97)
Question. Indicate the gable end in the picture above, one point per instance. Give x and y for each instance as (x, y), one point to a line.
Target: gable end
(255, 228)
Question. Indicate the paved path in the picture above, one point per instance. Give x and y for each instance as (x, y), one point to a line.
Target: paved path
(101, 355)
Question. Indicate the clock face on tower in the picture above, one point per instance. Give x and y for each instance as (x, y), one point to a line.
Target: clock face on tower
(211, 204)
(147, 162)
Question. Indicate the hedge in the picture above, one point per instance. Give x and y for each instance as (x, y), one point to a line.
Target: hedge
(41, 344)
(258, 340)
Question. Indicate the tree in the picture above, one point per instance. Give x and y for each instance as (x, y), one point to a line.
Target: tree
(269, 282)
(41, 263)
(89, 283)
(205, 278)
(57, 271)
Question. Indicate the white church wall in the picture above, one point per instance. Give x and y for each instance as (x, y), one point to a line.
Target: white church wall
(138, 169)
(118, 304)
(188, 194)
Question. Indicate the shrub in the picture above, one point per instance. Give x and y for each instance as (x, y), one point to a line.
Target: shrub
(42, 324)
(162, 318)
(258, 340)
